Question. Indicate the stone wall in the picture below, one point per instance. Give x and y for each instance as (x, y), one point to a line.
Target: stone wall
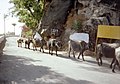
(2, 44)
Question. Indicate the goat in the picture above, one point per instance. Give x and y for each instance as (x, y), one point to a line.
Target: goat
(38, 43)
(107, 50)
(117, 61)
(78, 47)
(20, 41)
(54, 43)
(27, 43)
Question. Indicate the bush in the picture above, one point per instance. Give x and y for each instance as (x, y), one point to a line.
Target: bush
(77, 26)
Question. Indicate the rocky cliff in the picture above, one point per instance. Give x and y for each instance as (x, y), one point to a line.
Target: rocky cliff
(60, 17)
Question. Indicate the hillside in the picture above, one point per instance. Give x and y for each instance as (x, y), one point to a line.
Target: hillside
(63, 17)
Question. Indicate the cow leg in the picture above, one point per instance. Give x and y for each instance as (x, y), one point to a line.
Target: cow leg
(98, 58)
(28, 45)
(100, 61)
(36, 48)
(33, 48)
(73, 54)
(113, 69)
(83, 57)
(18, 44)
(56, 51)
(112, 62)
(118, 64)
(42, 49)
(79, 55)
(69, 52)
(25, 45)
(51, 50)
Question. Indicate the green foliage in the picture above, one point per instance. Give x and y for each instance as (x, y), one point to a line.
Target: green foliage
(28, 33)
(77, 25)
(28, 11)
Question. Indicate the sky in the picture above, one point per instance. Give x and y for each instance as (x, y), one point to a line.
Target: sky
(4, 9)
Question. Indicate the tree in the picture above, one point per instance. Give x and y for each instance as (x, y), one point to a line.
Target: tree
(28, 11)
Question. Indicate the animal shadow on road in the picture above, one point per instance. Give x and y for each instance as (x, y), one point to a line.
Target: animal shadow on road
(92, 63)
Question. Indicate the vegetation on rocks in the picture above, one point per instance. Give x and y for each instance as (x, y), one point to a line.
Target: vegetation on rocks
(77, 25)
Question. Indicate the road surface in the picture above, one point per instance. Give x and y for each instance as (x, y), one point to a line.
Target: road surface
(23, 66)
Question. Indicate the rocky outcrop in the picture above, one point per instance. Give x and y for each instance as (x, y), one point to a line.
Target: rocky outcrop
(96, 12)
(60, 16)
(55, 14)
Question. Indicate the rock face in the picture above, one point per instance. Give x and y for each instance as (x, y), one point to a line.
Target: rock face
(96, 12)
(62, 14)
(55, 14)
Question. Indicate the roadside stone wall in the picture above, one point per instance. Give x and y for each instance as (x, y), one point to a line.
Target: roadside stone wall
(2, 44)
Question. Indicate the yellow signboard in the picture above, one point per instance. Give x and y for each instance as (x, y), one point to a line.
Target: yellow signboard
(105, 31)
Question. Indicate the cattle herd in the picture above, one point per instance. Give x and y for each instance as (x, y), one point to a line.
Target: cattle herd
(108, 50)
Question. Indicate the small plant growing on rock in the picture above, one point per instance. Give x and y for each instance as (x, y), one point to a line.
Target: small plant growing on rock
(77, 25)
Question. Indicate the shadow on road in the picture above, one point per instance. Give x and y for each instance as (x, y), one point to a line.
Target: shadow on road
(105, 68)
(17, 70)
(71, 58)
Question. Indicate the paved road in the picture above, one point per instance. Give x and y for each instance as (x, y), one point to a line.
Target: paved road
(23, 66)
